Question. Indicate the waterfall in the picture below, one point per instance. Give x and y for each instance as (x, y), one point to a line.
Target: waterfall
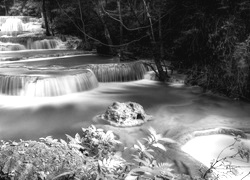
(14, 25)
(20, 33)
(121, 72)
(11, 46)
(43, 44)
(47, 84)
(14, 44)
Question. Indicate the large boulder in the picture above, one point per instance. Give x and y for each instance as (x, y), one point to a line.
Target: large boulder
(42, 161)
(125, 114)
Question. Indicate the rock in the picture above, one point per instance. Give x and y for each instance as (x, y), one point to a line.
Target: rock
(42, 160)
(125, 114)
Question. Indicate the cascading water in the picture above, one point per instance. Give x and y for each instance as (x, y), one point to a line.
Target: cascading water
(11, 46)
(20, 33)
(47, 81)
(42, 44)
(17, 35)
(22, 82)
(15, 25)
(121, 72)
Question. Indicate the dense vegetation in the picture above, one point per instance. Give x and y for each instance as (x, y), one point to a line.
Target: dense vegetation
(208, 40)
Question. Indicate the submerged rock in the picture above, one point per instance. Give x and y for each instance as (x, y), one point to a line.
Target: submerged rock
(125, 114)
(42, 160)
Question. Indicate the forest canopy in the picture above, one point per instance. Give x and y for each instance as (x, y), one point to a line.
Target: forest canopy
(208, 40)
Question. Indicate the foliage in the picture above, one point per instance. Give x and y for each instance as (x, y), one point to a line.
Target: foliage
(25, 8)
(104, 162)
(94, 141)
(213, 44)
(146, 167)
(208, 41)
(100, 145)
(222, 165)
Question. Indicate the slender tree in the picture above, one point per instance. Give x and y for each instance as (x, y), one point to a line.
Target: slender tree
(98, 8)
(45, 18)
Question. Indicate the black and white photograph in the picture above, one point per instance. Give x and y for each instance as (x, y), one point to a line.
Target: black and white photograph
(124, 89)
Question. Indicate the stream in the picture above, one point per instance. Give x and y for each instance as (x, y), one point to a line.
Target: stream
(177, 110)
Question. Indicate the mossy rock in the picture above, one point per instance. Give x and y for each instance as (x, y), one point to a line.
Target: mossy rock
(126, 114)
(42, 161)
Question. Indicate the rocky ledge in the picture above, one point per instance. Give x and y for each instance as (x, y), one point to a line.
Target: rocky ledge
(125, 114)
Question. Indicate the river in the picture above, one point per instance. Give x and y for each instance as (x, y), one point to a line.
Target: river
(177, 110)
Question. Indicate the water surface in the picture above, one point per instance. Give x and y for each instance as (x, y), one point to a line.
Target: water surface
(177, 110)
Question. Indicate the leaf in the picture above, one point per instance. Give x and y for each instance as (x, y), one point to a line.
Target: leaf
(168, 140)
(77, 146)
(141, 170)
(63, 142)
(145, 163)
(131, 177)
(77, 138)
(70, 138)
(93, 127)
(136, 147)
(160, 146)
(63, 174)
(141, 145)
(152, 131)
(148, 155)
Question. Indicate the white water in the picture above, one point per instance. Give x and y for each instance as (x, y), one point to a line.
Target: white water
(13, 26)
(177, 110)
(23, 82)
(39, 44)
(207, 148)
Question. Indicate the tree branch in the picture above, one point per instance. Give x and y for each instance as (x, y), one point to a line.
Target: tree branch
(90, 37)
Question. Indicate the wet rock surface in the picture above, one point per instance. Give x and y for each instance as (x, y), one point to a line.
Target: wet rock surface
(125, 114)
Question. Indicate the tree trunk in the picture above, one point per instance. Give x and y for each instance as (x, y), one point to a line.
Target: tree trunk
(83, 26)
(45, 18)
(162, 76)
(160, 35)
(120, 18)
(121, 28)
(106, 30)
(5, 8)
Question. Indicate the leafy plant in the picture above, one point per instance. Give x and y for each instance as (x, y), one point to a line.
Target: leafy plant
(94, 142)
(222, 166)
(148, 167)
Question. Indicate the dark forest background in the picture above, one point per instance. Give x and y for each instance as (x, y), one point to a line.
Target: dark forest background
(207, 40)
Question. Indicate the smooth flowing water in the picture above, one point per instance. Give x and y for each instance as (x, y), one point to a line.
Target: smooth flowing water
(177, 109)
(207, 149)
